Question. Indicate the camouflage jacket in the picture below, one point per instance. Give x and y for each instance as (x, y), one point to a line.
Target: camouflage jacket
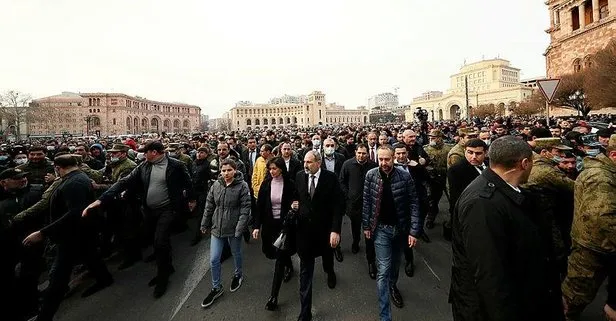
(122, 169)
(94, 175)
(549, 184)
(438, 159)
(594, 219)
(455, 155)
(41, 207)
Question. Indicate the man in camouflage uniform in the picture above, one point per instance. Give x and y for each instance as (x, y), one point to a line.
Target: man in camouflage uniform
(593, 234)
(456, 153)
(437, 170)
(550, 185)
(123, 217)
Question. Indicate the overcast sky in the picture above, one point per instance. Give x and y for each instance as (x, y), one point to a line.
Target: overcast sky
(215, 53)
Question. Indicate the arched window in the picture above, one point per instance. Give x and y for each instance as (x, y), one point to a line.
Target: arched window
(587, 62)
(186, 123)
(96, 121)
(128, 123)
(176, 123)
(257, 123)
(577, 65)
(248, 122)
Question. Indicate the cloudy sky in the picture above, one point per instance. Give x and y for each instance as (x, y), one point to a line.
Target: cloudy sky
(215, 53)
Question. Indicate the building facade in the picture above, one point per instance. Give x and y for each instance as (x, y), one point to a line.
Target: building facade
(492, 81)
(108, 114)
(578, 28)
(311, 110)
(383, 102)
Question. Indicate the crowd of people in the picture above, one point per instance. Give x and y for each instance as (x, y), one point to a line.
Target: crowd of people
(532, 210)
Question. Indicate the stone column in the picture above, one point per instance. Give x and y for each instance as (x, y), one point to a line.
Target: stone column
(556, 17)
(582, 13)
(595, 10)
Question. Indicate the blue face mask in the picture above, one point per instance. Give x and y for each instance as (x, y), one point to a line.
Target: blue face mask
(593, 152)
(3, 158)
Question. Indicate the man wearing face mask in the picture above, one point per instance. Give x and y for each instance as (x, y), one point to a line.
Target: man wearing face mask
(20, 159)
(485, 136)
(40, 169)
(437, 171)
(500, 247)
(316, 144)
(333, 161)
(551, 185)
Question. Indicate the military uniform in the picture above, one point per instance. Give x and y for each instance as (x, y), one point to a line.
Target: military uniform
(593, 254)
(37, 171)
(437, 171)
(174, 148)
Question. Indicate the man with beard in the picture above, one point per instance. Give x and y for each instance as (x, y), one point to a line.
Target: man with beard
(500, 248)
(292, 163)
(40, 169)
(418, 161)
(437, 170)
(567, 164)
(93, 163)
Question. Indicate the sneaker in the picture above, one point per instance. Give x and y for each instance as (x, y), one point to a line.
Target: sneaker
(214, 294)
(236, 283)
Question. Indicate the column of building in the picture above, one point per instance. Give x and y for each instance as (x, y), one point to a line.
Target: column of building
(595, 10)
(582, 15)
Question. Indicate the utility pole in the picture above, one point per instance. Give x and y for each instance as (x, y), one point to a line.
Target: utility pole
(468, 116)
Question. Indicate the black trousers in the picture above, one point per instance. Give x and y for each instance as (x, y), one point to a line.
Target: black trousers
(437, 187)
(158, 224)
(68, 253)
(357, 233)
(306, 274)
(283, 261)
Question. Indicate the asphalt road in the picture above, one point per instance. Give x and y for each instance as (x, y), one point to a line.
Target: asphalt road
(354, 298)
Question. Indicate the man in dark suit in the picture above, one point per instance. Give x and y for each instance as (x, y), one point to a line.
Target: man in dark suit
(461, 174)
(293, 164)
(249, 155)
(318, 225)
(332, 160)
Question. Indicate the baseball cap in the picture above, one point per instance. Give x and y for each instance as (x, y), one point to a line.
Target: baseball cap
(13, 173)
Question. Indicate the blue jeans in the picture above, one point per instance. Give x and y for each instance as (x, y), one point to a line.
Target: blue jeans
(216, 246)
(389, 243)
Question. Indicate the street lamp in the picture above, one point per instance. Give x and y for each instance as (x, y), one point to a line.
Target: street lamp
(577, 99)
(88, 119)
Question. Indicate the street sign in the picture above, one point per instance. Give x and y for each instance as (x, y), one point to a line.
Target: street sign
(548, 88)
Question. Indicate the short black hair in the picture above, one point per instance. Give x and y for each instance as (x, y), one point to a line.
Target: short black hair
(267, 147)
(37, 148)
(361, 145)
(507, 151)
(65, 161)
(540, 132)
(228, 161)
(476, 142)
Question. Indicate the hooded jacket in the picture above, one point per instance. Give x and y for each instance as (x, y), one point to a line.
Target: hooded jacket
(227, 208)
(594, 218)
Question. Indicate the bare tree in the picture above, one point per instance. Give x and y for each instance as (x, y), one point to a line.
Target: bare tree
(15, 108)
(571, 93)
(533, 105)
(483, 111)
(601, 77)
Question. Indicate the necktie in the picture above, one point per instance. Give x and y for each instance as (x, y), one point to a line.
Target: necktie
(480, 168)
(371, 153)
(312, 186)
(252, 162)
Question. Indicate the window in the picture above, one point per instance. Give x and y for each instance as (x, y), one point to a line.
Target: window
(604, 10)
(575, 18)
(587, 62)
(588, 12)
(114, 121)
(577, 65)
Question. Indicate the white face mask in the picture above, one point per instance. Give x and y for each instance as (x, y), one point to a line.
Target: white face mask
(487, 141)
(140, 156)
(115, 159)
(329, 151)
(316, 143)
(21, 161)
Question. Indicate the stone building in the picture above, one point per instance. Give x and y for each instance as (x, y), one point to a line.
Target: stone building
(108, 114)
(492, 81)
(309, 110)
(578, 28)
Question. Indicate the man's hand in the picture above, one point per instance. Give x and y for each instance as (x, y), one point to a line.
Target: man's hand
(192, 205)
(367, 234)
(422, 161)
(205, 231)
(33, 238)
(295, 205)
(49, 178)
(412, 241)
(255, 234)
(334, 239)
(92, 206)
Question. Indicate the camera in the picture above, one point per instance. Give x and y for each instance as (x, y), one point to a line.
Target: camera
(421, 114)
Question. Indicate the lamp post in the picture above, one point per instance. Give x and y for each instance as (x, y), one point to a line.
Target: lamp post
(577, 99)
(88, 119)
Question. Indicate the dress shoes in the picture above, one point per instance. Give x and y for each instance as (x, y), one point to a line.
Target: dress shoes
(99, 285)
(355, 248)
(396, 297)
(161, 287)
(372, 270)
(308, 318)
(288, 274)
(272, 304)
(331, 280)
(409, 269)
(338, 254)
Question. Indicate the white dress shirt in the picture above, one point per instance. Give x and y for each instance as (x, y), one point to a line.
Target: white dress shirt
(316, 179)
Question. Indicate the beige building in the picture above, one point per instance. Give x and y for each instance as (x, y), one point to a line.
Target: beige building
(578, 28)
(110, 114)
(309, 110)
(492, 81)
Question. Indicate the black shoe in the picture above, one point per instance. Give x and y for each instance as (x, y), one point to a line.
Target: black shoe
(424, 237)
(214, 294)
(272, 304)
(195, 240)
(150, 258)
(372, 270)
(127, 263)
(355, 248)
(96, 287)
(288, 274)
(396, 297)
(447, 231)
(338, 254)
(308, 318)
(430, 225)
(154, 280)
(331, 280)
(409, 269)
(236, 283)
(161, 287)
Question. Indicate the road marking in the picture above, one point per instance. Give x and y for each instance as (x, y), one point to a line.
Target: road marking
(199, 269)
(431, 270)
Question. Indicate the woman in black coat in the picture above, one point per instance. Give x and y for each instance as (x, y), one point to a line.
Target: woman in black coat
(276, 194)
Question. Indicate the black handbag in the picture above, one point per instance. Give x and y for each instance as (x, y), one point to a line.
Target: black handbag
(283, 242)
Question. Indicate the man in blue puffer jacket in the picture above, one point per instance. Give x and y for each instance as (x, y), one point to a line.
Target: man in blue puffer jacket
(391, 218)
